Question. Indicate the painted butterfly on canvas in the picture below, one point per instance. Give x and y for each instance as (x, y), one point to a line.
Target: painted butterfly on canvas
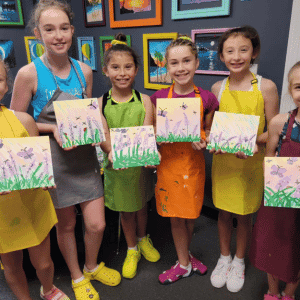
(162, 112)
(291, 160)
(184, 106)
(93, 105)
(277, 170)
(26, 153)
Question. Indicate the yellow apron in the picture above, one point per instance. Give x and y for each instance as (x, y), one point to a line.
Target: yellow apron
(237, 184)
(179, 190)
(27, 216)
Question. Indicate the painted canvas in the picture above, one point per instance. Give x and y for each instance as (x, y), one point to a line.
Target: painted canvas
(7, 52)
(94, 13)
(282, 182)
(79, 122)
(134, 6)
(233, 132)
(133, 147)
(86, 51)
(34, 48)
(11, 13)
(178, 120)
(26, 163)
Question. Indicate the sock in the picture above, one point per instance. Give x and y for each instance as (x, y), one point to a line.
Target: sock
(78, 280)
(239, 260)
(188, 268)
(139, 239)
(227, 258)
(133, 248)
(90, 271)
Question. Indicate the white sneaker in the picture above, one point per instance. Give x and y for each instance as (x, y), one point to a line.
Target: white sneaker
(218, 277)
(236, 277)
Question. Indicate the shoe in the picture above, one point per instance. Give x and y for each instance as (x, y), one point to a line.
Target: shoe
(218, 277)
(286, 297)
(197, 265)
(147, 249)
(105, 275)
(271, 297)
(236, 277)
(56, 294)
(84, 290)
(130, 264)
(174, 274)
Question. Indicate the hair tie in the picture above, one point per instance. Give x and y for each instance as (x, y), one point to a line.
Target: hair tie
(117, 42)
(185, 38)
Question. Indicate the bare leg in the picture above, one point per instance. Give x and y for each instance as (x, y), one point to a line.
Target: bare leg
(180, 234)
(190, 223)
(15, 275)
(94, 221)
(129, 221)
(273, 284)
(225, 231)
(141, 217)
(243, 234)
(291, 287)
(66, 239)
(43, 264)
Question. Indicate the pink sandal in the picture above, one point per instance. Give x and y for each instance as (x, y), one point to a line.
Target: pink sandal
(197, 265)
(173, 274)
(271, 297)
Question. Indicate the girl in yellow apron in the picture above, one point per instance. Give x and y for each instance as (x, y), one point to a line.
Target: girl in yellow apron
(237, 180)
(26, 216)
(181, 175)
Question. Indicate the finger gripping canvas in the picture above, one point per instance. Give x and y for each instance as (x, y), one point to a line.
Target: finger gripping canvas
(282, 182)
(178, 120)
(79, 122)
(26, 163)
(133, 147)
(233, 133)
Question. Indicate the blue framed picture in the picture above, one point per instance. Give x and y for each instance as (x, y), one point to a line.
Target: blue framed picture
(11, 13)
(7, 52)
(86, 51)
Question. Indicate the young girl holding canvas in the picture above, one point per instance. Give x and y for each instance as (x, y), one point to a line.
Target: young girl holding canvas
(237, 181)
(181, 174)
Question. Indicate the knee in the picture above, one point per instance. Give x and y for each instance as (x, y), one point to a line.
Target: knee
(96, 227)
(66, 227)
(43, 266)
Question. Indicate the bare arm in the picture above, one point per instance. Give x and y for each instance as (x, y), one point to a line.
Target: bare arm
(28, 122)
(149, 119)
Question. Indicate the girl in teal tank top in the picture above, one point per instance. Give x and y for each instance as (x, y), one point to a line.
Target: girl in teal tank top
(128, 191)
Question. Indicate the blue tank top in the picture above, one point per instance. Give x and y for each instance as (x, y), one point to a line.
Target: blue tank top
(46, 85)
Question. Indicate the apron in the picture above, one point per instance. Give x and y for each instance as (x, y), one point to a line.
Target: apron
(275, 246)
(26, 216)
(179, 190)
(76, 172)
(237, 184)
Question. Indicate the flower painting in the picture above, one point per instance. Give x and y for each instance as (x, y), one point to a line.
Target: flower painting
(7, 52)
(134, 6)
(94, 14)
(34, 48)
(178, 120)
(233, 133)
(79, 122)
(133, 147)
(86, 51)
(282, 182)
(25, 163)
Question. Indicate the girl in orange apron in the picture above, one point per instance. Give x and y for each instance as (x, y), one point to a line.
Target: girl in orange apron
(237, 181)
(181, 175)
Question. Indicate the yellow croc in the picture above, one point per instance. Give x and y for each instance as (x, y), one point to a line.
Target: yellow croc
(147, 249)
(105, 275)
(130, 264)
(84, 290)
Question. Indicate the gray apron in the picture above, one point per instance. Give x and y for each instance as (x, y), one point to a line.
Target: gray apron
(76, 172)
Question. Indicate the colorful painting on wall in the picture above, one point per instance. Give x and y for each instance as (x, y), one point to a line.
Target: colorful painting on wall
(178, 120)
(34, 48)
(26, 163)
(79, 122)
(94, 13)
(233, 133)
(282, 182)
(133, 147)
(11, 13)
(134, 6)
(7, 52)
(86, 51)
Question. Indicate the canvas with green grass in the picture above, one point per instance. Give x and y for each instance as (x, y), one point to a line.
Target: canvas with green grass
(282, 182)
(26, 163)
(134, 147)
(178, 120)
(232, 133)
(79, 122)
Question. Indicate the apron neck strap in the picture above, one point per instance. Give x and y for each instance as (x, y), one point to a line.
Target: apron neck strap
(254, 83)
(290, 125)
(196, 90)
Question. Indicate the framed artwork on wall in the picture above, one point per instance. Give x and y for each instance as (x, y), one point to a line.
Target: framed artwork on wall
(11, 13)
(207, 41)
(34, 48)
(94, 12)
(186, 9)
(105, 44)
(139, 13)
(87, 52)
(156, 76)
(7, 52)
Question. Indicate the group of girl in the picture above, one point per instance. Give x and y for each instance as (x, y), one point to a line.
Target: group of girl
(237, 180)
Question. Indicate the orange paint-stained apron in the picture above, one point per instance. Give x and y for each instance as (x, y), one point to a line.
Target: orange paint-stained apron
(181, 176)
(237, 184)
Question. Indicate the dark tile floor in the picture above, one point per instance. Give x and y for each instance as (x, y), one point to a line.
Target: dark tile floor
(145, 285)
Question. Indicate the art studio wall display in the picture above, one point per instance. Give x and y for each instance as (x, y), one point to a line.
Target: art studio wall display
(186, 9)
(34, 48)
(94, 12)
(11, 13)
(7, 52)
(87, 52)
(154, 49)
(135, 13)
